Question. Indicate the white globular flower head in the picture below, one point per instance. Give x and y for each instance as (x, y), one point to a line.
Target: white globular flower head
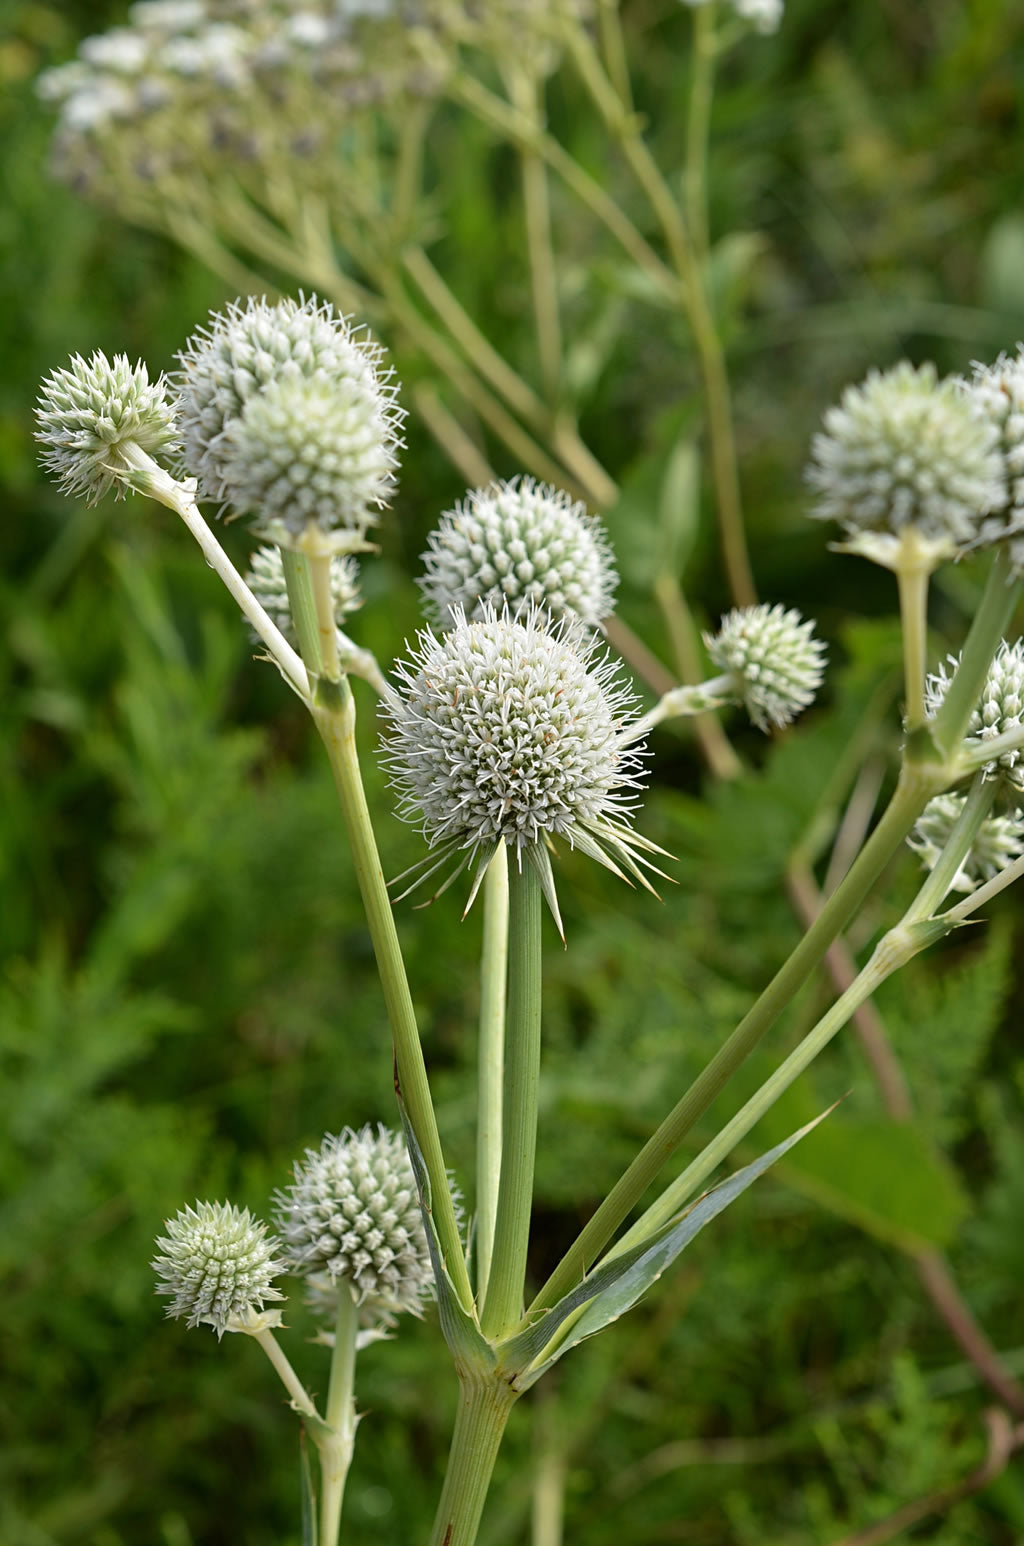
(907, 450)
(997, 392)
(90, 414)
(999, 841)
(218, 1267)
(287, 413)
(773, 659)
(265, 578)
(998, 710)
(514, 730)
(519, 543)
(353, 1212)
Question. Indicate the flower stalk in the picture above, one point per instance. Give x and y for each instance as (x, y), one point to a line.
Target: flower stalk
(491, 1060)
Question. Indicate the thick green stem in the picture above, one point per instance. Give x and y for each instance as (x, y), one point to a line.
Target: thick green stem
(916, 786)
(491, 1061)
(526, 94)
(336, 1448)
(484, 1406)
(327, 628)
(503, 1304)
(958, 845)
(335, 719)
(912, 579)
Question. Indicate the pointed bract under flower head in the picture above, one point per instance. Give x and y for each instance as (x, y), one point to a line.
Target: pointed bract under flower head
(218, 1266)
(354, 1213)
(519, 543)
(287, 414)
(89, 412)
(999, 841)
(774, 659)
(999, 709)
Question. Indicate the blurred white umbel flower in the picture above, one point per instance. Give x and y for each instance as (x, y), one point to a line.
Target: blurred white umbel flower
(763, 15)
(519, 543)
(353, 1212)
(514, 731)
(999, 841)
(91, 414)
(287, 414)
(218, 1268)
(997, 392)
(998, 710)
(265, 578)
(905, 453)
(773, 659)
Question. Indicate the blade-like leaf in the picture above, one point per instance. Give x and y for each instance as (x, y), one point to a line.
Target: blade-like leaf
(309, 1530)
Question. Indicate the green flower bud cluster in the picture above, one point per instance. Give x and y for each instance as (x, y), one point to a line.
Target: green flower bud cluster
(774, 662)
(999, 841)
(218, 1267)
(998, 710)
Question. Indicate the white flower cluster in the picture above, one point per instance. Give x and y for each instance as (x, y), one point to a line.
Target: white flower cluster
(519, 543)
(218, 1266)
(998, 710)
(285, 412)
(999, 841)
(353, 1212)
(773, 659)
(265, 578)
(763, 15)
(997, 391)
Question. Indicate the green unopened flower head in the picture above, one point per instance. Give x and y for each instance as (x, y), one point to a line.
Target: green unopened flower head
(218, 1267)
(515, 730)
(999, 841)
(519, 543)
(775, 662)
(353, 1212)
(997, 392)
(998, 710)
(265, 578)
(287, 413)
(905, 450)
(90, 415)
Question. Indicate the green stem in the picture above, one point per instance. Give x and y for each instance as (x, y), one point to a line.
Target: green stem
(915, 787)
(1001, 595)
(335, 719)
(525, 93)
(480, 1419)
(958, 845)
(289, 1379)
(504, 1300)
(912, 575)
(327, 628)
(682, 631)
(702, 83)
(491, 1061)
(336, 1450)
(302, 607)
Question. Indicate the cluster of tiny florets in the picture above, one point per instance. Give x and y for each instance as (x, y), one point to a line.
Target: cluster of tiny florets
(775, 662)
(519, 543)
(265, 578)
(998, 710)
(88, 412)
(999, 841)
(286, 413)
(218, 1266)
(997, 392)
(905, 449)
(353, 1212)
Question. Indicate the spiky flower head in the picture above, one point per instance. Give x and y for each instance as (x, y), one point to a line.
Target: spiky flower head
(998, 710)
(999, 841)
(773, 659)
(905, 450)
(519, 543)
(997, 392)
(265, 578)
(218, 1267)
(353, 1212)
(91, 415)
(287, 413)
(514, 730)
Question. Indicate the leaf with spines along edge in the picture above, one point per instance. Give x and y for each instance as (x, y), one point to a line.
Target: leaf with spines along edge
(616, 1286)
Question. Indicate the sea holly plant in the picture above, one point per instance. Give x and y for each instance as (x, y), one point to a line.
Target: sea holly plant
(512, 733)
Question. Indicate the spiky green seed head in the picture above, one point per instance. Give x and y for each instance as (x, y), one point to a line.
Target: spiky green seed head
(775, 662)
(218, 1267)
(998, 709)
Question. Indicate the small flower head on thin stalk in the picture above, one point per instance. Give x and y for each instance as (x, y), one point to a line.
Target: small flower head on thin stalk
(907, 457)
(265, 578)
(519, 543)
(997, 392)
(286, 413)
(775, 662)
(999, 841)
(353, 1213)
(218, 1267)
(514, 730)
(91, 413)
(998, 710)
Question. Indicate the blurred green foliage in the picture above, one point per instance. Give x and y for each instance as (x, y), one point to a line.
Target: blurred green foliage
(187, 994)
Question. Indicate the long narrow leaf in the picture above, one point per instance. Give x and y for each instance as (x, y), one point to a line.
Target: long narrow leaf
(309, 1530)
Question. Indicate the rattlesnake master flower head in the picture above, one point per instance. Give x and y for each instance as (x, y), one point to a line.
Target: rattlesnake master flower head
(997, 392)
(218, 1268)
(999, 841)
(91, 412)
(353, 1212)
(999, 709)
(905, 450)
(775, 662)
(519, 543)
(513, 730)
(288, 414)
(265, 578)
